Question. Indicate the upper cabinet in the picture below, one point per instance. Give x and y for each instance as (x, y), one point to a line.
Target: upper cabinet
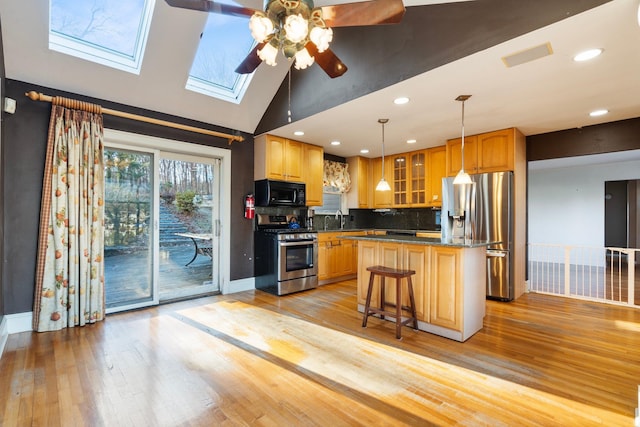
(417, 178)
(436, 171)
(496, 151)
(418, 183)
(360, 193)
(400, 179)
(278, 158)
(313, 173)
(487, 152)
(284, 159)
(381, 199)
(454, 156)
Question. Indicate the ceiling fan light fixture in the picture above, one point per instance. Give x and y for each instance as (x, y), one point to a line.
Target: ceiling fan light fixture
(261, 27)
(296, 28)
(268, 54)
(321, 37)
(303, 59)
(287, 26)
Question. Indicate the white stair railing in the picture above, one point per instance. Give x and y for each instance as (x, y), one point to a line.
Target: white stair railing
(593, 273)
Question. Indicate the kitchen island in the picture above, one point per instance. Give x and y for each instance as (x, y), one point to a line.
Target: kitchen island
(449, 284)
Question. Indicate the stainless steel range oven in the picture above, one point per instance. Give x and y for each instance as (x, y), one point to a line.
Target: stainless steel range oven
(286, 259)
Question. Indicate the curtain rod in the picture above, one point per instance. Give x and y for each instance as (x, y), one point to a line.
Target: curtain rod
(36, 96)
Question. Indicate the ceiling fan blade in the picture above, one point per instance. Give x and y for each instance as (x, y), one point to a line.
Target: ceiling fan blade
(210, 6)
(364, 13)
(252, 61)
(327, 60)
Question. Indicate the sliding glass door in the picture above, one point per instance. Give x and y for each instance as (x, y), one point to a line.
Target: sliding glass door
(162, 220)
(129, 237)
(189, 224)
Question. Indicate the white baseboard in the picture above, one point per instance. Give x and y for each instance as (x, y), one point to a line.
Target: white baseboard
(240, 285)
(4, 334)
(19, 322)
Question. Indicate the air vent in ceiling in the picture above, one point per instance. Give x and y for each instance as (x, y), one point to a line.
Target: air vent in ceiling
(528, 55)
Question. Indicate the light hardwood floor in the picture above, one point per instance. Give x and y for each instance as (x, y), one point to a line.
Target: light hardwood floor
(255, 359)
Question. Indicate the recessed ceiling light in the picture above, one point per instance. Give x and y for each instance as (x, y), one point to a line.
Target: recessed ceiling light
(364, 151)
(597, 113)
(587, 55)
(335, 142)
(400, 101)
(298, 133)
(411, 141)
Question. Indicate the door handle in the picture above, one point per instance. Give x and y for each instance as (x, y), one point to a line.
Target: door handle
(496, 254)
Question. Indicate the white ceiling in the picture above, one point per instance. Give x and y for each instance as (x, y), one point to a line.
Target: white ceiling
(549, 94)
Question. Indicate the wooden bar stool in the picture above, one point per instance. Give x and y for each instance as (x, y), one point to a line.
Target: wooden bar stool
(384, 272)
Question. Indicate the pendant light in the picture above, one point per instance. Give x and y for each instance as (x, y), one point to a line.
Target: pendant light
(383, 185)
(462, 177)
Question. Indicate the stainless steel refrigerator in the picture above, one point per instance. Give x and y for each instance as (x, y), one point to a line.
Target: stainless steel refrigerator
(483, 210)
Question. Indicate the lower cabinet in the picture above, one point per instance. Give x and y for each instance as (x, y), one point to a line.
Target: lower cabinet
(337, 258)
(401, 256)
(446, 310)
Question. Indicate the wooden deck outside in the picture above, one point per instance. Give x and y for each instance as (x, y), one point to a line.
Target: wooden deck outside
(126, 279)
(256, 359)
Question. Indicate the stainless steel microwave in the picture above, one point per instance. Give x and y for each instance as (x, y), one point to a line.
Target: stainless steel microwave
(280, 193)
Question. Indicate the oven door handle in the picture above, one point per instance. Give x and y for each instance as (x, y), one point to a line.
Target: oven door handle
(297, 242)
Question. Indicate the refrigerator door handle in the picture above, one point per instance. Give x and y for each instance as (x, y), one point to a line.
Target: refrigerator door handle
(496, 254)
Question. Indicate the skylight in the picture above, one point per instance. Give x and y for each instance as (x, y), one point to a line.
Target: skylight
(224, 44)
(108, 32)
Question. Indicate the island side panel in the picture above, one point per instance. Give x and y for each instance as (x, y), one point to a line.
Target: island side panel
(475, 290)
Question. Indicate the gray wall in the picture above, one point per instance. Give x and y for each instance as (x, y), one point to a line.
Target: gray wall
(430, 36)
(25, 135)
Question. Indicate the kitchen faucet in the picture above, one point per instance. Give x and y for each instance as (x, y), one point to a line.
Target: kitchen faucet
(341, 217)
(325, 222)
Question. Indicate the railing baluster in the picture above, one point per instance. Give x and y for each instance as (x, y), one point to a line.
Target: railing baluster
(575, 271)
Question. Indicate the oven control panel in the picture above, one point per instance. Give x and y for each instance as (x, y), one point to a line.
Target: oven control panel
(297, 236)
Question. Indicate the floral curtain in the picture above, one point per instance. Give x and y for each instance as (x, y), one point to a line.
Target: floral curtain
(336, 174)
(70, 271)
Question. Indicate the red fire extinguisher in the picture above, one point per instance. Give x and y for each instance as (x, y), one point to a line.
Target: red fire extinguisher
(249, 206)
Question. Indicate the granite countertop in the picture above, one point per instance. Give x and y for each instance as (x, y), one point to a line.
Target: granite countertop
(389, 230)
(429, 241)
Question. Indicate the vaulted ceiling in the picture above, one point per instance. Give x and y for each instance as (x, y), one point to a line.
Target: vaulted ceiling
(438, 52)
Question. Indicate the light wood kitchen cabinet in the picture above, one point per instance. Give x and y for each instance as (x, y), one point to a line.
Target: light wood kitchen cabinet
(367, 256)
(381, 199)
(413, 257)
(313, 173)
(326, 262)
(416, 257)
(495, 151)
(486, 152)
(454, 157)
(445, 300)
(418, 178)
(278, 159)
(399, 180)
(360, 194)
(337, 258)
(436, 170)
(347, 255)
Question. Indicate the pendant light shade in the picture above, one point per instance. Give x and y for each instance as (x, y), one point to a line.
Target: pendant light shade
(383, 185)
(462, 177)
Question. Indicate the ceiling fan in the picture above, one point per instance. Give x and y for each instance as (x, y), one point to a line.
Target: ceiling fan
(299, 29)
